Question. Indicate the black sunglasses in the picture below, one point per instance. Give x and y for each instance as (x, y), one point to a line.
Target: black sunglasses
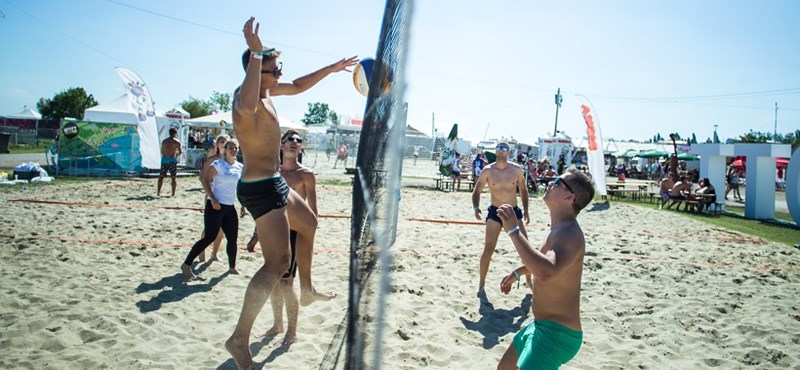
(295, 139)
(560, 180)
(275, 72)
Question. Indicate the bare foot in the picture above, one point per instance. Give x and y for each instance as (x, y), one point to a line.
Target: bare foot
(251, 245)
(233, 270)
(274, 330)
(186, 270)
(240, 353)
(289, 339)
(214, 258)
(307, 298)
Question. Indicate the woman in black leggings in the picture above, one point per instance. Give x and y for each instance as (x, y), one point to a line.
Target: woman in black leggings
(219, 182)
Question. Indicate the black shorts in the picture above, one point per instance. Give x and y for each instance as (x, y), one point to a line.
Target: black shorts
(341, 157)
(172, 168)
(262, 196)
(491, 214)
(292, 271)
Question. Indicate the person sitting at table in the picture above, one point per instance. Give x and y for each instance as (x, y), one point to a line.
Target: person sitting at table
(678, 192)
(665, 187)
(707, 195)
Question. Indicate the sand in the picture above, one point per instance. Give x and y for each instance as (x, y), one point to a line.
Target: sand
(96, 285)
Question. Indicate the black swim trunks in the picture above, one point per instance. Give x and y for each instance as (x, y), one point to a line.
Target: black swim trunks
(262, 196)
(492, 214)
(292, 271)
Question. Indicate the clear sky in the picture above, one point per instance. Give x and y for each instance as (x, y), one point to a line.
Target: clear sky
(493, 67)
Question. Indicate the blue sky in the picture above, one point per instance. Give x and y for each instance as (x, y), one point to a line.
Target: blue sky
(493, 67)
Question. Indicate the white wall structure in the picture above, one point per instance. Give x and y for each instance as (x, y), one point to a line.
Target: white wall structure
(712, 165)
(793, 186)
(760, 186)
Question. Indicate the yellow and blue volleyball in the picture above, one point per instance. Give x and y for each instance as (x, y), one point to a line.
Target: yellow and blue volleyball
(363, 72)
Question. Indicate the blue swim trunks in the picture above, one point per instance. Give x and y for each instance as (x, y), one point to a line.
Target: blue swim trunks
(491, 214)
(546, 344)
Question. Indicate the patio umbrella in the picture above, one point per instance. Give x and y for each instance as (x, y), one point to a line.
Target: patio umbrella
(449, 152)
(687, 157)
(651, 153)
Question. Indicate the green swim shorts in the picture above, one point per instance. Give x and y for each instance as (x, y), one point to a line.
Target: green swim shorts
(546, 344)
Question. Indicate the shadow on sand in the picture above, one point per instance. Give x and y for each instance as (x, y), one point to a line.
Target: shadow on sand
(179, 289)
(495, 323)
(598, 207)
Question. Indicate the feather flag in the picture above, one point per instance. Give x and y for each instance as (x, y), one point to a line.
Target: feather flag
(594, 146)
(142, 106)
(449, 152)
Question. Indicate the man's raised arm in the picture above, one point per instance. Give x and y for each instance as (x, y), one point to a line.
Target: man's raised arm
(304, 83)
(249, 93)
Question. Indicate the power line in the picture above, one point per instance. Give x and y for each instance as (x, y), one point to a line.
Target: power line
(226, 32)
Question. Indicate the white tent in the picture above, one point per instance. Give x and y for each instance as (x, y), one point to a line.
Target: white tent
(26, 113)
(225, 120)
(117, 111)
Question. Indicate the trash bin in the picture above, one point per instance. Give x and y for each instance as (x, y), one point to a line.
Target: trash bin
(4, 143)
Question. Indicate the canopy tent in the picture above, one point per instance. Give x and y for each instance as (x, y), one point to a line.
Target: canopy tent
(26, 113)
(225, 120)
(107, 140)
(630, 153)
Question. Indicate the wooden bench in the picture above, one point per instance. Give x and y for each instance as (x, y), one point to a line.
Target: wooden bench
(447, 184)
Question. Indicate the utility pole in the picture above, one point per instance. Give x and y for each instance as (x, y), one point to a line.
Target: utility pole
(775, 133)
(559, 99)
(433, 132)
(714, 140)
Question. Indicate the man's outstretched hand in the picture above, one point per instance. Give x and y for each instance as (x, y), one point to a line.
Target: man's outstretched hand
(342, 64)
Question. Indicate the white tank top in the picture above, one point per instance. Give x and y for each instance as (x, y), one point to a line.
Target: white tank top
(224, 185)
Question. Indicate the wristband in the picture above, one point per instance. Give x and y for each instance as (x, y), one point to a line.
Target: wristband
(255, 55)
(516, 275)
(259, 54)
(477, 209)
(512, 229)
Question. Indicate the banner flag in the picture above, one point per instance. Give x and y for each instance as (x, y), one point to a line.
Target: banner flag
(142, 106)
(594, 146)
(449, 152)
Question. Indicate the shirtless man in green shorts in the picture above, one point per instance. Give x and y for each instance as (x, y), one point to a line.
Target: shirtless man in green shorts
(262, 190)
(555, 336)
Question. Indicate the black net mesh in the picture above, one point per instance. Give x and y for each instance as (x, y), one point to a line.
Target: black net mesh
(376, 195)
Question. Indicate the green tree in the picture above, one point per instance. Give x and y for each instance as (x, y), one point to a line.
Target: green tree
(69, 103)
(755, 137)
(319, 114)
(220, 101)
(197, 107)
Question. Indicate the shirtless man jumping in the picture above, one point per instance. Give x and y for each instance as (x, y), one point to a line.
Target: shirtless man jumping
(503, 178)
(556, 335)
(262, 189)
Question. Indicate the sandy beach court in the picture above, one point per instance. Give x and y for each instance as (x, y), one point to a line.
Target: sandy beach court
(92, 281)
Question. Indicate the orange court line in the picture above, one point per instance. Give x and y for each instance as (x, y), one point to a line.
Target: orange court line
(372, 250)
(98, 205)
(459, 222)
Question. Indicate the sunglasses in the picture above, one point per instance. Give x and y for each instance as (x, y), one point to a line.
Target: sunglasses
(502, 147)
(275, 72)
(293, 138)
(560, 180)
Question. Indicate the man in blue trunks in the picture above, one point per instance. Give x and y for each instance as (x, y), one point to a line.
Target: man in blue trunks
(262, 189)
(170, 151)
(503, 178)
(555, 336)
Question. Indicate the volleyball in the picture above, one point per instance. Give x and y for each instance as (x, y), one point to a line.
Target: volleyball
(363, 72)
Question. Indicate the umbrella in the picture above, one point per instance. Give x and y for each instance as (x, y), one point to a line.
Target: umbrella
(779, 162)
(687, 157)
(651, 153)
